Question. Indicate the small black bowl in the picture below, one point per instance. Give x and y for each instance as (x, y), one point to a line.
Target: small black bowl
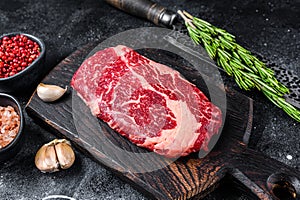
(14, 147)
(26, 79)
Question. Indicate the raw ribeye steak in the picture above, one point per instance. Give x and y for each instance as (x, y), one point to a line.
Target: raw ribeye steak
(147, 102)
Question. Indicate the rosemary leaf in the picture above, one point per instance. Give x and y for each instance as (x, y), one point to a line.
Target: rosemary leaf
(247, 70)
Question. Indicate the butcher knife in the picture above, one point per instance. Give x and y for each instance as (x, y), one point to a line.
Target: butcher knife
(187, 177)
(161, 16)
(157, 176)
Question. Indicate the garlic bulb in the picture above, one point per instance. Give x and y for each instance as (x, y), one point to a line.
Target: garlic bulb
(55, 155)
(50, 93)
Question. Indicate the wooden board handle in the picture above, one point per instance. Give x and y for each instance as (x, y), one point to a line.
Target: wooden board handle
(146, 9)
(264, 176)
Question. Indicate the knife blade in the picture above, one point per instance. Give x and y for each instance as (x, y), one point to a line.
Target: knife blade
(162, 16)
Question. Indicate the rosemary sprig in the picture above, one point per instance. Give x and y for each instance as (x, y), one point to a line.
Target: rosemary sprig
(248, 71)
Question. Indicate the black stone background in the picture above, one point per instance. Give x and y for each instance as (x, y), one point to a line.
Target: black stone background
(271, 28)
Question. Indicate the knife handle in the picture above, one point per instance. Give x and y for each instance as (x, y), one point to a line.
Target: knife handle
(146, 9)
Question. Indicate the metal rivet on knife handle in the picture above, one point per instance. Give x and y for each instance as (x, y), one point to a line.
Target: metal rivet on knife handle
(145, 9)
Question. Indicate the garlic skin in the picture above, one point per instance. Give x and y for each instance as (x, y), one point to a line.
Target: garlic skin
(55, 155)
(50, 93)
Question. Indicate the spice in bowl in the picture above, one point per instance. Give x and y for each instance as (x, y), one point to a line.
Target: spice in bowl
(9, 125)
(16, 53)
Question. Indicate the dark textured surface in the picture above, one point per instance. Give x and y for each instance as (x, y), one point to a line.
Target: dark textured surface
(270, 28)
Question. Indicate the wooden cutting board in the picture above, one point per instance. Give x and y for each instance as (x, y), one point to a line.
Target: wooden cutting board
(185, 178)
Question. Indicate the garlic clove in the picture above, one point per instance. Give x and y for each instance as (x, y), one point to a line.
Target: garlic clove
(55, 155)
(50, 93)
(65, 154)
(45, 159)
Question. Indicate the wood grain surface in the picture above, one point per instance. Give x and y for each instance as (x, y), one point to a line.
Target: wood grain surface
(185, 178)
